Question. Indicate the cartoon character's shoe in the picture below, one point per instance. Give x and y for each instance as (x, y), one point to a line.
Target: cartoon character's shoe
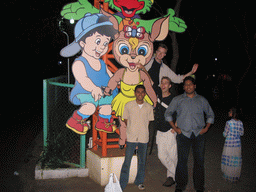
(77, 124)
(106, 126)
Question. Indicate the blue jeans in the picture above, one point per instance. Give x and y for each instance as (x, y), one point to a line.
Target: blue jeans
(125, 171)
(198, 146)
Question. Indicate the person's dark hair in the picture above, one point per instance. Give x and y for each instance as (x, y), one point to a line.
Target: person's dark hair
(235, 113)
(189, 78)
(140, 86)
(107, 30)
(163, 46)
(167, 78)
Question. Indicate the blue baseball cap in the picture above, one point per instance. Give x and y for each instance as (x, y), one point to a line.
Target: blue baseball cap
(83, 26)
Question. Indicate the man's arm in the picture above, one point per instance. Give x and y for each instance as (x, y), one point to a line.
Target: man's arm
(209, 116)
(175, 128)
(177, 78)
(209, 112)
(169, 73)
(204, 130)
(169, 112)
(194, 69)
(151, 114)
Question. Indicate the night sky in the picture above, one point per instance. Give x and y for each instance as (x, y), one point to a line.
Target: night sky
(215, 29)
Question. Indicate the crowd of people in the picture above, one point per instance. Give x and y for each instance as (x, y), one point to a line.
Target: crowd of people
(180, 124)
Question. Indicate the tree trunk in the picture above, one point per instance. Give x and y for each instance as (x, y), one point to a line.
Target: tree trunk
(175, 51)
(175, 46)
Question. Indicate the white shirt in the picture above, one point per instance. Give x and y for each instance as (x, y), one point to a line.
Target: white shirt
(165, 71)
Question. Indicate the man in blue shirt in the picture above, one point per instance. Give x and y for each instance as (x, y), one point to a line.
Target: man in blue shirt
(191, 127)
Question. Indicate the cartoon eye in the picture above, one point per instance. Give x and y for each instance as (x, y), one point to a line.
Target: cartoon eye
(143, 50)
(97, 41)
(124, 49)
(105, 44)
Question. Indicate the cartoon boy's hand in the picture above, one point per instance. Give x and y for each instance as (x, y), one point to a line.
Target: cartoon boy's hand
(97, 93)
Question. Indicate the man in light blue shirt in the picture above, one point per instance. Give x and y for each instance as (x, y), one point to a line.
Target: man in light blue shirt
(191, 127)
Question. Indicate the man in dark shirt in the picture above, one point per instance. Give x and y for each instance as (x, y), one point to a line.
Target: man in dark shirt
(166, 137)
(154, 74)
(157, 69)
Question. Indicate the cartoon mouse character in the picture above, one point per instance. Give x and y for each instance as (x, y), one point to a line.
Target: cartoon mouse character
(133, 47)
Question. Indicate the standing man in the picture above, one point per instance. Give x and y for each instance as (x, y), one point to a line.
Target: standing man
(166, 136)
(157, 69)
(137, 115)
(190, 108)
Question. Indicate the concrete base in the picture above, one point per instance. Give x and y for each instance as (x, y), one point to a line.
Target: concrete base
(60, 173)
(101, 167)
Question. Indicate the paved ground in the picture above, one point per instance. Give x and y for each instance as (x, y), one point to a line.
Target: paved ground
(24, 163)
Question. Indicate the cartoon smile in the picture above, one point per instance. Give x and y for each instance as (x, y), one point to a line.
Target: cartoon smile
(128, 11)
(132, 65)
(97, 53)
(130, 7)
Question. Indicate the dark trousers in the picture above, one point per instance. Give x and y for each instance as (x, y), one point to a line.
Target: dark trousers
(198, 145)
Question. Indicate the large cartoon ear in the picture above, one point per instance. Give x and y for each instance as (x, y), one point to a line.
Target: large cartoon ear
(112, 19)
(160, 29)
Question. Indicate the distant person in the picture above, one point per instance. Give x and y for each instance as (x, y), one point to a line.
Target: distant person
(191, 129)
(231, 161)
(157, 69)
(166, 136)
(137, 115)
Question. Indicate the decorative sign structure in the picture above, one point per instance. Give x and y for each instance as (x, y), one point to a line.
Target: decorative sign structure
(95, 86)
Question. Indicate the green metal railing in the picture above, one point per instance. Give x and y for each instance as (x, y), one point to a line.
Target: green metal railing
(58, 140)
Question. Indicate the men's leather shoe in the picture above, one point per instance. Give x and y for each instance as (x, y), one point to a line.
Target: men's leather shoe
(169, 182)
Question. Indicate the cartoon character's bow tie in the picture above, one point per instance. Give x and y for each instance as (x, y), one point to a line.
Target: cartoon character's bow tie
(134, 31)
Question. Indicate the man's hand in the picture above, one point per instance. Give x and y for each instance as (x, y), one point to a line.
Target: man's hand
(203, 131)
(174, 126)
(194, 69)
(178, 130)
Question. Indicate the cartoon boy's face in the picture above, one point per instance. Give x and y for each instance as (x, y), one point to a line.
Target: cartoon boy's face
(95, 45)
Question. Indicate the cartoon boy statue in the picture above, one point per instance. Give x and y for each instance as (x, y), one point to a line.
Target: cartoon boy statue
(92, 35)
